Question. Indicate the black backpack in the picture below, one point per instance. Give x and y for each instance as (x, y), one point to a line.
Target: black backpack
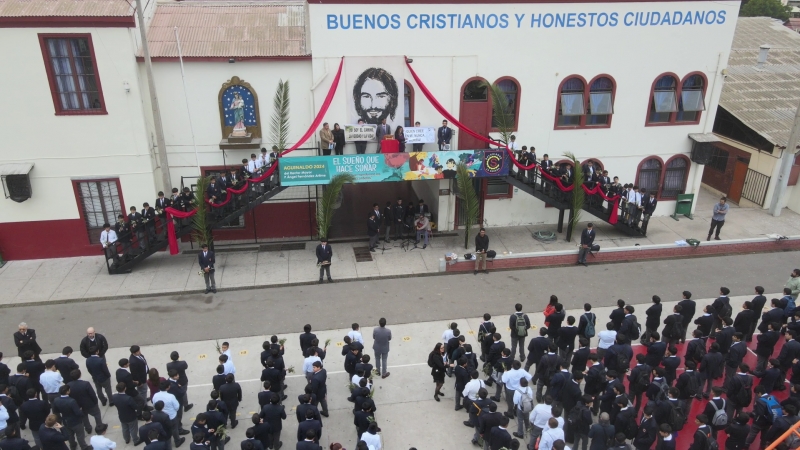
(693, 387)
(677, 418)
(643, 380)
(549, 369)
(13, 391)
(623, 363)
(743, 395)
(700, 351)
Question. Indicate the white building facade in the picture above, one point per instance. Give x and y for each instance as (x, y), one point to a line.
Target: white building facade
(660, 61)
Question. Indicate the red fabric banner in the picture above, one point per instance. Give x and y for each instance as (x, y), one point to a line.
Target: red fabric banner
(171, 212)
(438, 106)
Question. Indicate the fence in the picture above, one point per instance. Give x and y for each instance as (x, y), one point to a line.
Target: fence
(755, 187)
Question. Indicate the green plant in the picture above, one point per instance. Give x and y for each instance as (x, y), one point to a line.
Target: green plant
(201, 228)
(502, 113)
(217, 346)
(279, 126)
(766, 8)
(578, 196)
(469, 200)
(330, 195)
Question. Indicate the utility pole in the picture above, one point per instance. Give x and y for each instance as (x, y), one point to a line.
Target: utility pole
(787, 159)
(162, 146)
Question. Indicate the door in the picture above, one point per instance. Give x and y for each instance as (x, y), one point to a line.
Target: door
(739, 173)
(475, 114)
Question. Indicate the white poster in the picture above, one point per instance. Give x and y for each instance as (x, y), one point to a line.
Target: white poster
(359, 132)
(375, 90)
(420, 135)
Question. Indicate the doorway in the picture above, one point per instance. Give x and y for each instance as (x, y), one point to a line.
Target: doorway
(737, 184)
(475, 113)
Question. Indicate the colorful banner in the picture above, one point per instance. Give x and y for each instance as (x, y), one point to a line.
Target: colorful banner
(375, 168)
(420, 135)
(359, 132)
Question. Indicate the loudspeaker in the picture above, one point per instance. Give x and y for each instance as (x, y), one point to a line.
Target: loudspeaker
(19, 187)
(701, 152)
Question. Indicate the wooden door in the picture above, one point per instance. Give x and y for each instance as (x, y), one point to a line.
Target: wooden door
(739, 173)
(475, 114)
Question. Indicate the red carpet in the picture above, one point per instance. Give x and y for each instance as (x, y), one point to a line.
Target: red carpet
(686, 436)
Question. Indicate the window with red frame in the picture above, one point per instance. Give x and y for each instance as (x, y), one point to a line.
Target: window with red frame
(664, 101)
(72, 71)
(497, 188)
(649, 175)
(100, 203)
(601, 102)
(571, 107)
(675, 178)
(691, 101)
(511, 91)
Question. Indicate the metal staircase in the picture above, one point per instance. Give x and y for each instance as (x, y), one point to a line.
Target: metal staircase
(534, 184)
(146, 243)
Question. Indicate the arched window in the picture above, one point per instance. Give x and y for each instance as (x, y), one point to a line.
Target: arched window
(675, 177)
(476, 91)
(649, 174)
(511, 90)
(691, 101)
(570, 103)
(408, 102)
(663, 101)
(601, 102)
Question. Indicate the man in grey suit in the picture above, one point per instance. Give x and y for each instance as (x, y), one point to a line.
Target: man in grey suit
(381, 337)
(383, 130)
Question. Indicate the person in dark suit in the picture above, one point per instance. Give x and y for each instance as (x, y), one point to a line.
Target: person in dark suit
(318, 386)
(724, 335)
(629, 327)
(206, 260)
(775, 314)
(65, 364)
(12, 441)
(305, 340)
(688, 307)
(93, 339)
(388, 219)
(581, 356)
(648, 208)
(638, 379)
(34, 369)
(274, 414)
(720, 305)
(251, 443)
(214, 192)
(324, 259)
(765, 345)
(671, 362)
(35, 411)
(673, 327)
(571, 393)
(52, 434)
(735, 355)
(180, 367)
(310, 424)
(618, 315)
(789, 352)
(231, 394)
(555, 320)
(127, 412)
(587, 241)
(744, 319)
(150, 425)
(25, 339)
(696, 348)
(373, 231)
(653, 314)
(71, 416)
(537, 347)
(139, 370)
(655, 350)
(757, 304)
(309, 442)
(4, 371)
(737, 432)
(83, 393)
(98, 369)
(123, 375)
(443, 135)
(499, 437)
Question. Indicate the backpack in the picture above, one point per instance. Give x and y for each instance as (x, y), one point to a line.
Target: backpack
(720, 418)
(693, 387)
(521, 327)
(711, 443)
(773, 407)
(743, 394)
(643, 380)
(663, 389)
(700, 351)
(623, 363)
(525, 402)
(549, 370)
(677, 418)
(14, 393)
(726, 310)
(637, 329)
(482, 332)
(589, 330)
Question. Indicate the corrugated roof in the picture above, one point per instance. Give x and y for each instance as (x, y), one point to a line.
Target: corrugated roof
(230, 31)
(65, 8)
(764, 98)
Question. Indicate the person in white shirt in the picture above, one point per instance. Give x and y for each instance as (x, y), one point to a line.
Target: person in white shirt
(371, 436)
(108, 238)
(634, 201)
(511, 381)
(539, 417)
(51, 380)
(308, 363)
(3, 418)
(100, 442)
(226, 350)
(356, 379)
(355, 335)
(473, 386)
(607, 338)
(523, 396)
(448, 334)
(550, 435)
(227, 364)
(171, 407)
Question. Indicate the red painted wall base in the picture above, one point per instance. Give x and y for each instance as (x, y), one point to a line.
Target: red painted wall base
(45, 239)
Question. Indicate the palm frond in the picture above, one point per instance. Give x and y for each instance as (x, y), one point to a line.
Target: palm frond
(201, 231)
(502, 114)
(578, 196)
(279, 125)
(469, 200)
(330, 195)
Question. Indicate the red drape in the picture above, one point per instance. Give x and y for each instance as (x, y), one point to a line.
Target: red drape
(438, 106)
(171, 212)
